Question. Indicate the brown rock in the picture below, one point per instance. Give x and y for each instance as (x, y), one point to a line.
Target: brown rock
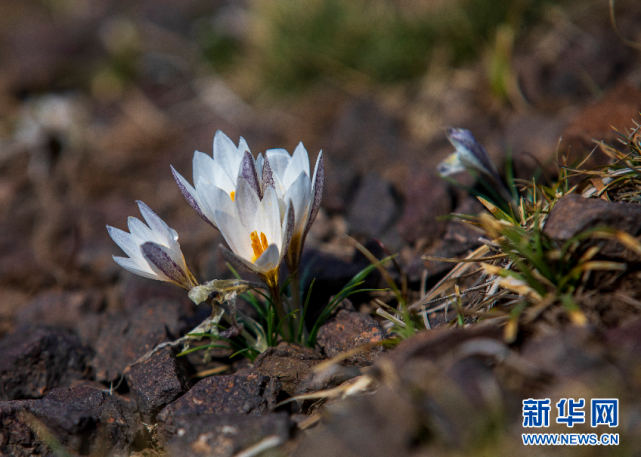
(78, 311)
(374, 210)
(82, 420)
(379, 425)
(232, 394)
(136, 331)
(432, 344)
(349, 330)
(568, 353)
(156, 382)
(227, 434)
(291, 364)
(550, 77)
(34, 360)
(574, 214)
(426, 198)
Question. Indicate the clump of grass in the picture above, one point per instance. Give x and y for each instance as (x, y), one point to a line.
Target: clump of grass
(619, 181)
(520, 272)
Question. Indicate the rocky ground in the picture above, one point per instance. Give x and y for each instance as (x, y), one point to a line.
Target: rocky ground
(77, 148)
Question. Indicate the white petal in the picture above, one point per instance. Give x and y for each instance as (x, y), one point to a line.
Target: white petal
(269, 259)
(267, 217)
(288, 229)
(125, 241)
(280, 193)
(299, 162)
(136, 267)
(203, 167)
(214, 198)
(278, 185)
(191, 195)
(236, 236)
(300, 194)
(242, 146)
(278, 159)
(450, 165)
(141, 232)
(222, 180)
(155, 223)
(248, 172)
(247, 203)
(318, 183)
(260, 161)
(227, 155)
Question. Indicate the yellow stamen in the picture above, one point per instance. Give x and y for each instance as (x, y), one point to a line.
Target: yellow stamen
(233, 195)
(259, 243)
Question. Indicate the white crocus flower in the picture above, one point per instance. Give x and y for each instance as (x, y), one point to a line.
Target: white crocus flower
(254, 231)
(294, 182)
(469, 155)
(256, 234)
(153, 251)
(214, 177)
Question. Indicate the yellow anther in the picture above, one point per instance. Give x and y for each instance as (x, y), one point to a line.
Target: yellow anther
(259, 243)
(233, 195)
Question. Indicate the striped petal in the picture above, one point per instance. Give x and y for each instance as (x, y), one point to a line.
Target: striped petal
(300, 194)
(288, 230)
(318, 183)
(192, 197)
(165, 265)
(278, 159)
(248, 172)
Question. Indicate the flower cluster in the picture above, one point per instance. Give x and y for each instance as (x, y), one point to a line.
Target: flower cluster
(263, 207)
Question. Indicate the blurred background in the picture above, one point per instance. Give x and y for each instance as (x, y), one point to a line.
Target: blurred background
(99, 97)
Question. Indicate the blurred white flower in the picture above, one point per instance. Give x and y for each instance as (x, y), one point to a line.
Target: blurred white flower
(293, 182)
(214, 177)
(153, 251)
(469, 154)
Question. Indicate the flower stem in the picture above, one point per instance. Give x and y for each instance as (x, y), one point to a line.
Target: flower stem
(251, 341)
(272, 282)
(296, 303)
